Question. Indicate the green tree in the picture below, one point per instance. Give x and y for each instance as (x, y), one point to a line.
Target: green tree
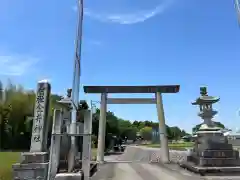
(127, 129)
(146, 133)
(175, 133)
(17, 110)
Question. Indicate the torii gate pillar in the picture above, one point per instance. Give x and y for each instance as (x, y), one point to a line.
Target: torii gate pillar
(162, 129)
(102, 128)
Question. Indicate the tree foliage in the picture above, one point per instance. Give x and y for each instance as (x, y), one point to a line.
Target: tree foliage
(17, 110)
(146, 133)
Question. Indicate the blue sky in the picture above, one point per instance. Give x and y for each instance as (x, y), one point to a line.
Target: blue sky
(154, 42)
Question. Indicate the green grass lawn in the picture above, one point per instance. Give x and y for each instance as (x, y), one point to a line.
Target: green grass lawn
(9, 158)
(6, 161)
(173, 145)
(94, 153)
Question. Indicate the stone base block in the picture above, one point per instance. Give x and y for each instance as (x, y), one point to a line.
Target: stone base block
(213, 145)
(235, 170)
(218, 162)
(202, 161)
(31, 171)
(34, 157)
(219, 154)
(69, 176)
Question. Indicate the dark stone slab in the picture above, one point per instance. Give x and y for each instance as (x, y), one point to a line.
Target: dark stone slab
(203, 161)
(211, 162)
(219, 154)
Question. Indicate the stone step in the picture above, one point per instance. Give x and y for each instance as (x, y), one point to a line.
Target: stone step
(217, 161)
(211, 170)
(70, 176)
(219, 154)
(34, 157)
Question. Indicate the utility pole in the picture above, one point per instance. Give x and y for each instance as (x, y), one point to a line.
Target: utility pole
(76, 84)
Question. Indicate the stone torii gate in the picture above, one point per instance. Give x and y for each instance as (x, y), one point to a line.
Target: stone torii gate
(157, 90)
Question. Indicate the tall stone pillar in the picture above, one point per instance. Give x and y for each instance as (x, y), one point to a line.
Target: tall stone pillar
(87, 143)
(34, 164)
(162, 129)
(55, 144)
(40, 129)
(102, 128)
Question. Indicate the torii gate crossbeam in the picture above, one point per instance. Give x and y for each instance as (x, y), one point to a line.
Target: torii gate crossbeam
(157, 90)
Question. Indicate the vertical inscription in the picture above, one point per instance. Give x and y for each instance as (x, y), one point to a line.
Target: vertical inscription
(40, 117)
(39, 114)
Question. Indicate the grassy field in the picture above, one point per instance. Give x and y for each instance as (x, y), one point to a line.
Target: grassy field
(6, 161)
(94, 153)
(176, 146)
(9, 158)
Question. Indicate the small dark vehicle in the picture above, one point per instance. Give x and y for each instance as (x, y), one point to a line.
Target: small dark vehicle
(119, 148)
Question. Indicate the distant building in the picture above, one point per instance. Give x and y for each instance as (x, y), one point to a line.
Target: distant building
(155, 135)
(187, 138)
(234, 138)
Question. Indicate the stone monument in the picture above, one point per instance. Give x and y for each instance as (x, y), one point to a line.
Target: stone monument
(34, 164)
(211, 152)
(41, 164)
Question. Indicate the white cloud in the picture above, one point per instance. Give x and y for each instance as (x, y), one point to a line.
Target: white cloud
(16, 65)
(131, 18)
(128, 18)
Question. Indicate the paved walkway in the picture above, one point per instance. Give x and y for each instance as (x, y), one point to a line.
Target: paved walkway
(113, 170)
(143, 171)
(131, 171)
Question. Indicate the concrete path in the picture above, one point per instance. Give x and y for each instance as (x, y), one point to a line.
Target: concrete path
(118, 167)
(131, 171)
(113, 170)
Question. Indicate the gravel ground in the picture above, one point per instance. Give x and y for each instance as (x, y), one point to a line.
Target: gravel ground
(145, 154)
(139, 166)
